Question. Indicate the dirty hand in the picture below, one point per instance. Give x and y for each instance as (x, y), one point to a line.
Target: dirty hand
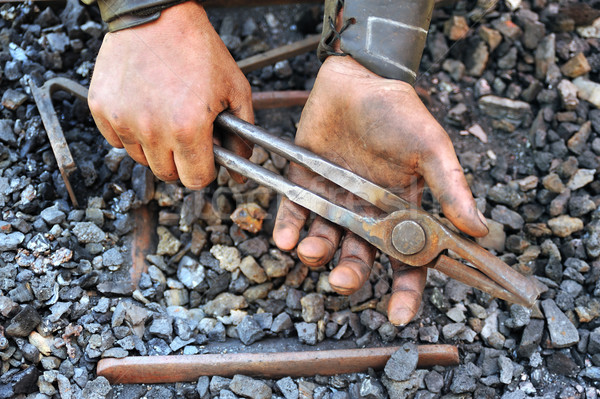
(379, 129)
(157, 89)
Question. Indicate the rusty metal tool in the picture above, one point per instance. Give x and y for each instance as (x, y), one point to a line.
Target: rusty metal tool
(407, 233)
(179, 368)
(279, 54)
(43, 100)
(279, 99)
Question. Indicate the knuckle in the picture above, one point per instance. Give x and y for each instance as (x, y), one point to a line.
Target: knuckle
(95, 105)
(183, 134)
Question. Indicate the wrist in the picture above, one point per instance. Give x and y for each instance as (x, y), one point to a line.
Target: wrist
(385, 36)
(124, 14)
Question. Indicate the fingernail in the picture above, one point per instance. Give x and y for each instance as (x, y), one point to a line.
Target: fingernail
(483, 219)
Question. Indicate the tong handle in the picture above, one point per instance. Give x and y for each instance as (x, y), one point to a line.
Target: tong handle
(472, 277)
(351, 182)
(526, 288)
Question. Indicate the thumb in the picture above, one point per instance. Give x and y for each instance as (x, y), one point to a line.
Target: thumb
(444, 175)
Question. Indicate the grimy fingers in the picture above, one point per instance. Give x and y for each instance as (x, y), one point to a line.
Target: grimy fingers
(291, 217)
(193, 155)
(445, 177)
(288, 224)
(407, 292)
(107, 131)
(318, 248)
(354, 267)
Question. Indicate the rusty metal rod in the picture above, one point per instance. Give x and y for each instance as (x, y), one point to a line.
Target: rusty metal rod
(279, 99)
(60, 148)
(279, 54)
(174, 368)
(142, 242)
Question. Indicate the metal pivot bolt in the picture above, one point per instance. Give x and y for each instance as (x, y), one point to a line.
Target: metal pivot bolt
(408, 237)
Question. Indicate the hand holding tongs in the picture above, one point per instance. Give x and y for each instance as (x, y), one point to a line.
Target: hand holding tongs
(407, 233)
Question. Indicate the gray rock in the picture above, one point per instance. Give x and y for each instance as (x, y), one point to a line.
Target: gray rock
(513, 111)
(507, 217)
(23, 323)
(514, 395)
(434, 381)
(12, 99)
(591, 240)
(11, 241)
(228, 257)
(88, 232)
(6, 132)
(282, 322)
(581, 178)
(592, 373)
(8, 306)
(39, 243)
(506, 195)
(519, 317)
(12, 70)
(580, 205)
(112, 257)
(227, 394)
(313, 307)
(162, 327)
(457, 291)
(509, 60)
(218, 383)
(307, 333)
(158, 392)
(250, 387)
(453, 330)
(402, 363)
(97, 389)
(506, 369)
(593, 346)
(387, 331)
(142, 182)
(190, 272)
(24, 382)
(158, 347)
(202, 387)
(64, 387)
(404, 389)
(225, 303)
(276, 264)
(429, 334)
(249, 331)
(58, 41)
(118, 353)
(533, 33)
(476, 60)
(288, 388)
(545, 56)
(131, 314)
(562, 332)
(372, 319)
(465, 378)
(371, 388)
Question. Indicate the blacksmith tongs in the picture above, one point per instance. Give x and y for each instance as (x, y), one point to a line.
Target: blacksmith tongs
(407, 233)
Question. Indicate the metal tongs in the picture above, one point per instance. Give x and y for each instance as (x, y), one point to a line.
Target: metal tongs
(407, 233)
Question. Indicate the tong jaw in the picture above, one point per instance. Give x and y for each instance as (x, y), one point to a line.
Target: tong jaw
(417, 238)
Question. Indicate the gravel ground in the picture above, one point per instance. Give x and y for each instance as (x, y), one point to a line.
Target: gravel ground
(513, 83)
